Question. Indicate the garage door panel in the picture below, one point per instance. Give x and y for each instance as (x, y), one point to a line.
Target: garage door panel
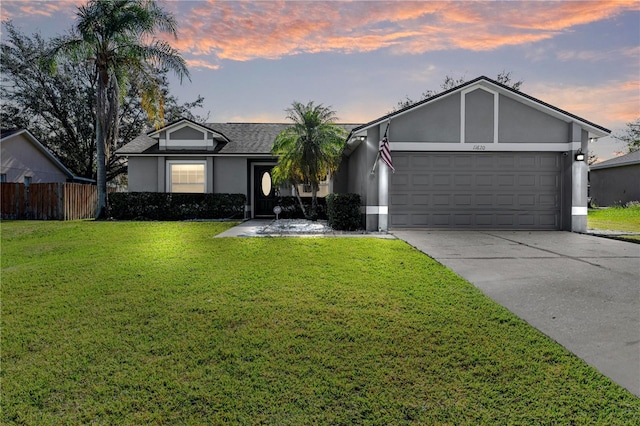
(400, 220)
(486, 162)
(550, 160)
(527, 180)
(550, 181)
(420, 179)
(463, 161)
(400, 180)
(440, 161)
(442, 219)
(442, 180)
(505, 200)
(527, 162)
(484, 220)
(507, 162)
(420, 199)
(419, 161)
(549, 220)
(463, 219)
(484, 180)
(463, 180)
(402, 162)
(399, 200)
(479, 190)
(526, 220)
(462, 200)
(546, 201)
(484, 200)
(440, 200)
(526, 200)
(505, 180)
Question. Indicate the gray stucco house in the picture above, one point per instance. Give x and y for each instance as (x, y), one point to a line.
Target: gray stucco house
(23, 159)
(478, 156)
(186, 156)
(616, 181)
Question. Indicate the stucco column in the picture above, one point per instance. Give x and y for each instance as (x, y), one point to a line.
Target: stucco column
(371, 192)
(383, 196)
(579, 182)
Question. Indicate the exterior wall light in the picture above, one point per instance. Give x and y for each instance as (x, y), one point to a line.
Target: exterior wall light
(579, 155)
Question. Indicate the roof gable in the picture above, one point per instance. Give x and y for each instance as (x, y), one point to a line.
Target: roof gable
(185, 122)
(8, 134)
(487, 84)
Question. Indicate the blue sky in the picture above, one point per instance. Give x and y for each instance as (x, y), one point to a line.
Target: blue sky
(250, 59)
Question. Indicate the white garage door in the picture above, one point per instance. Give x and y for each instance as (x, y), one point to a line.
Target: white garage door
(506, 190)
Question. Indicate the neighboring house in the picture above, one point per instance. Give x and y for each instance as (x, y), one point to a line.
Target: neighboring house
(478, 156)
(23, 159)
(616, 181)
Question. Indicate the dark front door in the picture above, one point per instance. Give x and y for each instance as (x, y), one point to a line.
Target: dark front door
(264, 192)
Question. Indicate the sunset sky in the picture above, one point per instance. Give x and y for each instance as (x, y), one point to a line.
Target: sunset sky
(250, 60)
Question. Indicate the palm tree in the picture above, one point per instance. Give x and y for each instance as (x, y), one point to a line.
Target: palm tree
(117, 38)
(309, 150)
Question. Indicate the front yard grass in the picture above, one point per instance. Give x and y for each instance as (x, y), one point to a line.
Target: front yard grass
(160, 323)
(616, 219)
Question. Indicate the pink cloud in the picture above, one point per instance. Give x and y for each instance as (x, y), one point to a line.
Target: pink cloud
(611, 103)
(12, 9)
(215, 30)
(248, 30)
(198, 63)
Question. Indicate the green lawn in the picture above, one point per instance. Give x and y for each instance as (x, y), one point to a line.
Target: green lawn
(160, 323)
(616, 219)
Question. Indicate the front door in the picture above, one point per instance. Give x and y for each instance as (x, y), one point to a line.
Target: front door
(264, 192)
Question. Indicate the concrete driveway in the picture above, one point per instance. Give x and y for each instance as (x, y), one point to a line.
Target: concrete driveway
(582, 291)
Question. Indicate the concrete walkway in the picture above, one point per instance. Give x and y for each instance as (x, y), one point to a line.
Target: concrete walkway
(580, 290)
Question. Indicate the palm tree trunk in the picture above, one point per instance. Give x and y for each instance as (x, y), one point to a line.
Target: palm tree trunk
(297, 193)
(314, 202)
(100, 149)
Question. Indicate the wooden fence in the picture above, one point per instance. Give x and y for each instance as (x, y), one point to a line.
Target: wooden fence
(48, 201)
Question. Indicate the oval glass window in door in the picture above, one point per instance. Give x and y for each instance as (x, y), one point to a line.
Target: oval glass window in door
(266, 184)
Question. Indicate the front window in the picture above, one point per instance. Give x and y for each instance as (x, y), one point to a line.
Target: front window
(187, 177)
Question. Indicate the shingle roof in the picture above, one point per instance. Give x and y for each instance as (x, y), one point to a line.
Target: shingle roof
(245, 138)
(623, 160)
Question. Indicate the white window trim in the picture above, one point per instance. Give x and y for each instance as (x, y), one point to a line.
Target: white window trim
(172, 162)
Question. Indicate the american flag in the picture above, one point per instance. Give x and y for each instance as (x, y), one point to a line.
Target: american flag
(385, 151)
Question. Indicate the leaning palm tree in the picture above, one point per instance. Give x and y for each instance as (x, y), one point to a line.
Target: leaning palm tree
(117, 38)
(309, 150)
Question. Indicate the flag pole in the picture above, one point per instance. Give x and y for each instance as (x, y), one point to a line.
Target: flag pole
(375, 163)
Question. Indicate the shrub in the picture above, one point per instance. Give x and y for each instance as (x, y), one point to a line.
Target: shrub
(168, 206)
(343, 212)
